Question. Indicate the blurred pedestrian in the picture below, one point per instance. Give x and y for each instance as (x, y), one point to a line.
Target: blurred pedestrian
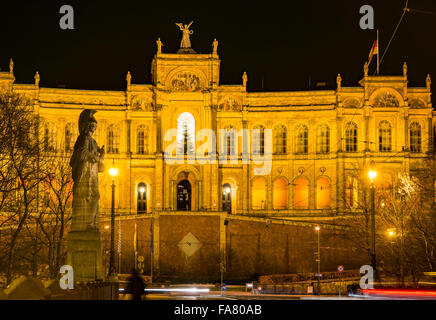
(136, 285)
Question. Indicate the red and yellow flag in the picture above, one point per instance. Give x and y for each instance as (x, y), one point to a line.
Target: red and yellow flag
(374, 51)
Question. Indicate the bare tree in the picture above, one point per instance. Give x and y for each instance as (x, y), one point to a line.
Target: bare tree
(55, 212)
(20, 152)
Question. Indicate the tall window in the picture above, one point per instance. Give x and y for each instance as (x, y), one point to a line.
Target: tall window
(259, 140)
(69, 137)
(185, 134)
(385, 136)
(280, 194)
(141, 140)
(142, 197)
(301, 194)
(322, 193)
(49, 137)
(415, 137)
(230, 140)
(351, 192)
(302, 137)
(323, 139)
(280, 135)
(259, 194)
(351, 137)
(113, 139)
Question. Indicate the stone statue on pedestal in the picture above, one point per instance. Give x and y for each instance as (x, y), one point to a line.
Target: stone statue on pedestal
(84, 239)
(86, 162)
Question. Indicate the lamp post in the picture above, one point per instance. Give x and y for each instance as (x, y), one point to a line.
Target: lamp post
(112, 269)
(318, 260)
(372, 175)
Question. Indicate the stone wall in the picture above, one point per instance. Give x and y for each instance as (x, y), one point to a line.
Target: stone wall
(188, 248)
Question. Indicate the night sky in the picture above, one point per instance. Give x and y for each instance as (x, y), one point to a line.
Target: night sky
(283, 42)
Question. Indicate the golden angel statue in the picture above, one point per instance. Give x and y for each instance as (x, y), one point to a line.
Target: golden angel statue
(186, 42)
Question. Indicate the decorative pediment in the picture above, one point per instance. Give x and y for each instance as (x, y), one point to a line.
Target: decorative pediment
(141, 103)
(386, 100)
(229, 103)
(186, 81)
(417, 103)
(352, 103)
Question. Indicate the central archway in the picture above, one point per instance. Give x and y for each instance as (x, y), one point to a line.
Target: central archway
(184, 196)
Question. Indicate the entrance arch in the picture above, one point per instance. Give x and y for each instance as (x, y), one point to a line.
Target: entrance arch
(227, 198)
(184, 195)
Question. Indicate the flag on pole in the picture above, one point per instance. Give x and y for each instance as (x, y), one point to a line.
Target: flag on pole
(374, 51)
(151, 235)
(119, 236)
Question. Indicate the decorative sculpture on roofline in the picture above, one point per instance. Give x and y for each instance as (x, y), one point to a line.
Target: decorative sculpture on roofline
(159, 46)
(215, 46)
(185, 44)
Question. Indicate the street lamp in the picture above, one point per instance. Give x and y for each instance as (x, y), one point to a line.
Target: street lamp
(318, 260)
(391, 233)
(112, 269)
(372, 175)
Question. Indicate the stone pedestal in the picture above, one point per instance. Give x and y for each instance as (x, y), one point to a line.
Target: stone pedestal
(85, 255)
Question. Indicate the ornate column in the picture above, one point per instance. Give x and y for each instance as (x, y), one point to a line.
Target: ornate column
(171, 195)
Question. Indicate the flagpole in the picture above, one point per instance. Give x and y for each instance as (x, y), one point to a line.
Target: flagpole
(378, 54)
(151, 248)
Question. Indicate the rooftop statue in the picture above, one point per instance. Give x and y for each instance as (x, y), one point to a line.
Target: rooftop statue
(186, 42)
(86, 162)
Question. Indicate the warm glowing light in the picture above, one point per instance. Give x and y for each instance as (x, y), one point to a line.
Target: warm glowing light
(391, 233)
(193, 290)
(400, 292)
(113, 172)
(106, 227)
(317, 228)
(227, 190)
(142, 189)
(372, 174)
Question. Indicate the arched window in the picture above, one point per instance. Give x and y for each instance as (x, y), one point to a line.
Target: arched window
(323, 139)
(302, 140)
(415, 137)
(185, 134)
(280, 194)
(280, 137)
(50, 137)
(351, 192)
(301, 194)
(142, 140)
(142, 197)
(113, 139)
(259, 140)
(69, 137)
(227, 198)
(351, 137)
(384, 189)
(259, 194)
(229, 137)
(322, 193)
(385, 136)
